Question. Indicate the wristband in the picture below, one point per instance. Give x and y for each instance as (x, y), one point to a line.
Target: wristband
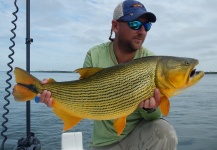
(37, 99)
(149, 110)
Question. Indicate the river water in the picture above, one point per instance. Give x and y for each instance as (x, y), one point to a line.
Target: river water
(192, 114)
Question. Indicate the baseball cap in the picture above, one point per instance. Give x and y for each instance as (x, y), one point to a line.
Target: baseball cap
(130, 10)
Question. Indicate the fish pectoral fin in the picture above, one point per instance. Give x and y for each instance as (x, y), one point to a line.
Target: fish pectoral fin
(165, 105)
(87, 72)
(119, 124)
(68, 120)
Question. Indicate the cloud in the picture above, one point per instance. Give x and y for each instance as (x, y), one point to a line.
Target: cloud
(63, 31)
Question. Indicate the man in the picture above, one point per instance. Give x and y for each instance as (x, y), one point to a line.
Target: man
(144, 128)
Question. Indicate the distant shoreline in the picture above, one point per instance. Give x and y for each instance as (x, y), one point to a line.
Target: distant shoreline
(54, 71)
(74, 72)
(210, 72)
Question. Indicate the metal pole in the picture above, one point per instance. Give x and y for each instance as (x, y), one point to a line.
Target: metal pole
(28, 42)
(30, 141)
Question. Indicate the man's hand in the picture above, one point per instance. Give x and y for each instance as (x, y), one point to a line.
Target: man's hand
(45, 96)
(153, 102)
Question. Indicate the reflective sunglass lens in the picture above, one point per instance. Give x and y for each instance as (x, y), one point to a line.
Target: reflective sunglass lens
(147, 26)
(135, 25)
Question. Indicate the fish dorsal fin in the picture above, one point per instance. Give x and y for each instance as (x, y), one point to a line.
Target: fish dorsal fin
(165, 105)
(68, 120)
(87, 72)
(119, 125)
(51, 80)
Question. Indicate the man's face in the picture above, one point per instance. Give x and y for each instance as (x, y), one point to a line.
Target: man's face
(131, 39)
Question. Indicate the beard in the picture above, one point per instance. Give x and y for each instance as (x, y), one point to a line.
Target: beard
(129, 46)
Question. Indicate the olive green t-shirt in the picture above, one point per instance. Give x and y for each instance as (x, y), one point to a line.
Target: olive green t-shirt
(103, 131)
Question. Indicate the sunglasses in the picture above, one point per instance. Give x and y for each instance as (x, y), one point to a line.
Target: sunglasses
(136, 25)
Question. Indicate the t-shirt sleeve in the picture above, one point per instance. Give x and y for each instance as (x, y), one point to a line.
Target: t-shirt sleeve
(88, 60)
(146, 52)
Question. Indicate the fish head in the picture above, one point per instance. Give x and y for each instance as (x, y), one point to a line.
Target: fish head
(174, 74)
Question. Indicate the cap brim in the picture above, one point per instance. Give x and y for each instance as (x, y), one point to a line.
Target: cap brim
(148, 15)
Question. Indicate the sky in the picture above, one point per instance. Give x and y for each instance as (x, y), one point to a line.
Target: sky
(64, 30)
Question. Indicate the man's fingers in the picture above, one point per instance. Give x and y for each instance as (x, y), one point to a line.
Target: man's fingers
(47, 95)
(157, 96)
(152, 103)
(42, 96)
(49, 104)
(44, 81)
(146, 103)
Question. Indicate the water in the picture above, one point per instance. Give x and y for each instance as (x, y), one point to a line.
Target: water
(192, 114)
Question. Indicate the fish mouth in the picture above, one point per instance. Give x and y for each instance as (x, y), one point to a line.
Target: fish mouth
(194, 73)
(195, 76)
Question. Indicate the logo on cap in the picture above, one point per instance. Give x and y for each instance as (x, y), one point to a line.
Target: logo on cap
(137, 5)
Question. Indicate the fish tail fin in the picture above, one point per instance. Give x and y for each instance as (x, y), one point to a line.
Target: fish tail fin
(21, 93)
(27, 86)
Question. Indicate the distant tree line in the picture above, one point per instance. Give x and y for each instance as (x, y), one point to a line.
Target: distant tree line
(56, 71)
(210, 72)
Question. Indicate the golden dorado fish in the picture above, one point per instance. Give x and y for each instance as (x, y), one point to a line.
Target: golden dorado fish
(114, 92)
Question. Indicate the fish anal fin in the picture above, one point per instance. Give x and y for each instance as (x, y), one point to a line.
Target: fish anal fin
(165, 105)
(119, 125)
(68, 120)
(87, 72)
(22, 93)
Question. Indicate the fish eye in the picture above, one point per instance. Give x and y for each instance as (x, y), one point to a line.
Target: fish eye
(187, 63)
